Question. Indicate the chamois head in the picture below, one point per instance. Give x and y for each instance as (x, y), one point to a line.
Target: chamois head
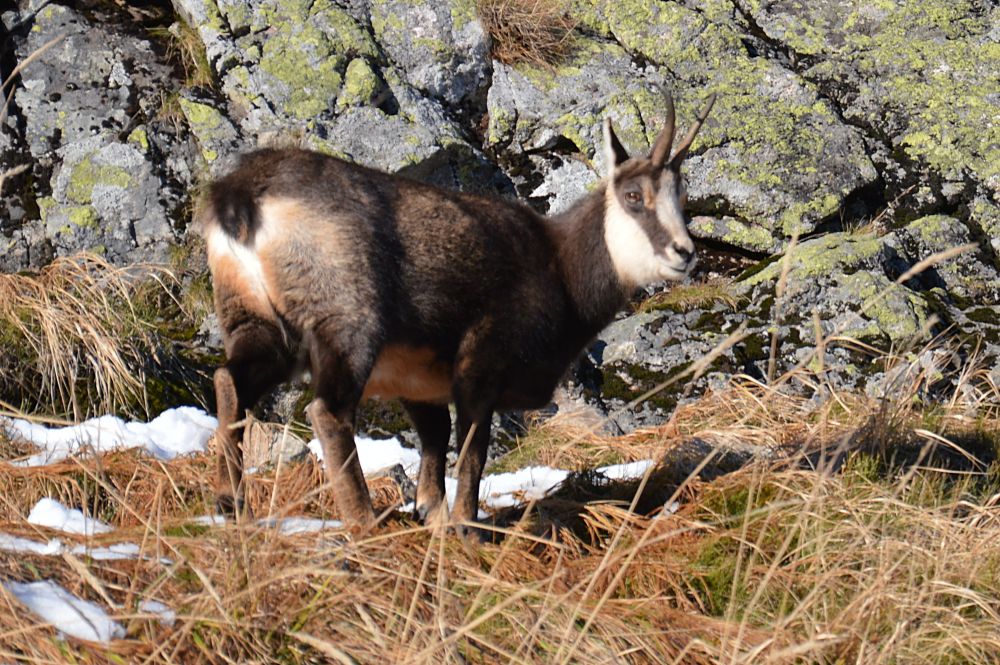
(644, 228)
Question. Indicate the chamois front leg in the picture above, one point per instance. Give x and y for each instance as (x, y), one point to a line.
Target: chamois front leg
(433, 424)
(339, 380)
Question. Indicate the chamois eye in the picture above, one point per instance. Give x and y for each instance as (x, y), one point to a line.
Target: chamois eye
(633, 198)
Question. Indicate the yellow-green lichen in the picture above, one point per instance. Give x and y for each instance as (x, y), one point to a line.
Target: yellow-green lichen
(889, 309)
(308, 52)
(207, 124)
(84, 217)
(500, 127)
(736, 233)
(45, 204)
(823, 256)
(462, 12)
(86, 175)
(140, 138)
(361, 83)
(815, 209)
(932, 228)
(931, 66)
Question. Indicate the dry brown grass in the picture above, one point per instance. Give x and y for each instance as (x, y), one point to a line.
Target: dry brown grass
(534, 32)
(184, 46)
(685, 297)
(74, 339)
(838, 550)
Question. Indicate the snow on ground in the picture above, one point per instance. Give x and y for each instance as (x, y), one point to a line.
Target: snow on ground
(210, 520)
(378, 454)
(51, 513)
(174, 432)
(166, 616)
(292, 525)
(503, 490)
(187, 429)
(67, 613)
(54, 547)
(627, 471)
(10, 543)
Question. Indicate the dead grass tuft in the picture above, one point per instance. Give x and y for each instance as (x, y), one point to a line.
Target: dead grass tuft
(698, 295)
(184, 45)
(75, 340)
(534, 32)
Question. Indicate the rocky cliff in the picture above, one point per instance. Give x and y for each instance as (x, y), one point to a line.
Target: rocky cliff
(859, 138)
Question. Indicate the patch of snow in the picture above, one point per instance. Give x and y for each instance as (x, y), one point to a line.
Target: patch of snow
(67, 613)
(627, 471)
(174, 432)
(50, 513)
(292, 525)
(54, 547)
(116, 552)
(210, 520)
(378, 454)
(11, 543)
(502, 490)
(166, 616)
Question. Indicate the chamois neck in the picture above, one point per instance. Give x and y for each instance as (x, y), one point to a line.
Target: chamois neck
(584, 261)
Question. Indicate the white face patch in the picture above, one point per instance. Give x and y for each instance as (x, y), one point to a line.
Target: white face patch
(671, 216)
(632, 253)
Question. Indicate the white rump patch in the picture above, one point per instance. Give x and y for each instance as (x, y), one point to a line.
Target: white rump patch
(274, 215)
(221, 244)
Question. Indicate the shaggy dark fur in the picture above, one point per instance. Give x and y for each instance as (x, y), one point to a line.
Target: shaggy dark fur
(395, 288)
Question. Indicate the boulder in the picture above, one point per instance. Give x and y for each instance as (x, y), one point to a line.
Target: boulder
(440, 47)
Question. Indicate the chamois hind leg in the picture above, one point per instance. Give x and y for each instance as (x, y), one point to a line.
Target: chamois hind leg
(338, 380)
(258, 361)
(433, 423)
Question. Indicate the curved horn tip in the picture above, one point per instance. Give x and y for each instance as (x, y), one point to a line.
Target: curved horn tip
(708, 106)
(661, 148)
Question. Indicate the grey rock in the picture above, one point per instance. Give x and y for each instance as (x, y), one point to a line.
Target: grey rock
(215, 23)
(773, 154)
(440, 46)
(93, 81)
(533, 109)
(887, 65)
(568, 181)
(105, 199)
(218, 140)
(968, 277)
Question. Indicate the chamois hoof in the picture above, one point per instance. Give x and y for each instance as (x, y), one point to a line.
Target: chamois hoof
(236, 508)
(472, 534)
(432, 514)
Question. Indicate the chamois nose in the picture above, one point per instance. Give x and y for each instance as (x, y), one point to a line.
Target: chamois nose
(683, 253)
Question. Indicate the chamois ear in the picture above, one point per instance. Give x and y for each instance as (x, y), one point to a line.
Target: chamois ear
(614, 151)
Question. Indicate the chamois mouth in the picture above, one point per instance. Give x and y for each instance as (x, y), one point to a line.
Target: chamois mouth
(676, 271)
(676, 268)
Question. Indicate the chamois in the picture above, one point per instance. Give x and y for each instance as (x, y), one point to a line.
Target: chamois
(390, 288)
